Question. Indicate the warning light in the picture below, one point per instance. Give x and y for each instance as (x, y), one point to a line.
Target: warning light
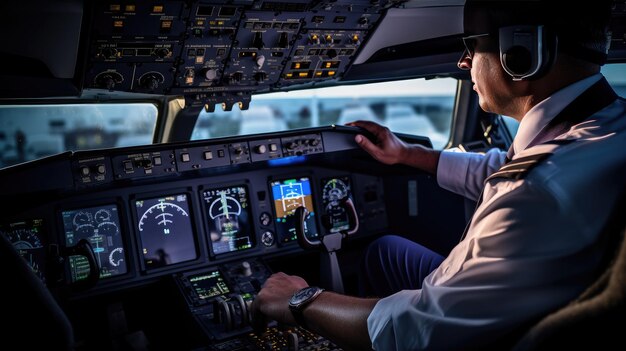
(130, 8)
(157, 8)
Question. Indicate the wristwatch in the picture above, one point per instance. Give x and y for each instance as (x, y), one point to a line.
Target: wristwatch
(300, 300)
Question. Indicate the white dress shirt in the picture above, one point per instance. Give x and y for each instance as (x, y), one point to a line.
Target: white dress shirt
(529, 247)
(464, 173)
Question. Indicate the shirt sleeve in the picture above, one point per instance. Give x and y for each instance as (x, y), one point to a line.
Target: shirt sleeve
(517, 263)
(464, 173)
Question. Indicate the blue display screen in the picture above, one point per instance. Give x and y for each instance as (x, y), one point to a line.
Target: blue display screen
(288, 195)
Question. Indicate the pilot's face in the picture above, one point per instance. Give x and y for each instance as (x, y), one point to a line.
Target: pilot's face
(489, 79)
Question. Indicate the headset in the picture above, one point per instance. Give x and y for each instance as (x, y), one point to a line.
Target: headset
(527, 51)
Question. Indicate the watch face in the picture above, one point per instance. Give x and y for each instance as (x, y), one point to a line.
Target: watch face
(303, 295)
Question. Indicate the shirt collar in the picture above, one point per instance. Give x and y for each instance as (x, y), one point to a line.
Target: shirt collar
(541, 114)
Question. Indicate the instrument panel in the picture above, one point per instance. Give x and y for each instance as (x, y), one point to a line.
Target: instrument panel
(214, 52)
(143, 224)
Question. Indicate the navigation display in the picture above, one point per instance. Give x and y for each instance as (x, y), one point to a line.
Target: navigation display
(165, 230)
(334, 191)
(210, 284)
(26, 238)
(228, 216)
(101, 227)
(288, 195)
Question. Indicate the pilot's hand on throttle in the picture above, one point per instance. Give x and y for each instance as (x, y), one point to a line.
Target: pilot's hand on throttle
(272, 302)
(387, 148)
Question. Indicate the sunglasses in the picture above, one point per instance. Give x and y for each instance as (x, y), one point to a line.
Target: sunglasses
(470, 44)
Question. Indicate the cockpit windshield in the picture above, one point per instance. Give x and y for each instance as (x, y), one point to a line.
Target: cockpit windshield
(416, 106)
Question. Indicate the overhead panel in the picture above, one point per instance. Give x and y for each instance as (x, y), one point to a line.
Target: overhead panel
(220, 53)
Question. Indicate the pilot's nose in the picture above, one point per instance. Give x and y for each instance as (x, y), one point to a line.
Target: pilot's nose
(465, 62)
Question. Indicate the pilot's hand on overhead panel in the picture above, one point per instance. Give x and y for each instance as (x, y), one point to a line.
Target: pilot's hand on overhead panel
(387, 148)
(272, 302)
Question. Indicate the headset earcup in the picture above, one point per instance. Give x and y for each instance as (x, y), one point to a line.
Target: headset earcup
(527, 51)
(517, 59)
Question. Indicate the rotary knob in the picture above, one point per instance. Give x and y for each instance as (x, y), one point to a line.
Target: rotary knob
(162, 52)
(267, 238)
(260, 60)
(108, 80)
(109, 53)
(151, 81)
(265, 219)
(208, 73)
(246, 268)
(260, 149)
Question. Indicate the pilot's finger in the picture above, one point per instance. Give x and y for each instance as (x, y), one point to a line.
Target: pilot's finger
(367, 145)
(372, 127)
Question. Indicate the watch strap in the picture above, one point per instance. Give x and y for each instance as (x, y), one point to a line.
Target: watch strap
(299, 317)
(297, 310)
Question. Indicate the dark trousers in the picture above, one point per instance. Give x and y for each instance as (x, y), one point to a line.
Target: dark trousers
(393, 263)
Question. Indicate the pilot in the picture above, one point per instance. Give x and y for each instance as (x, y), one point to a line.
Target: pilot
(534, 241)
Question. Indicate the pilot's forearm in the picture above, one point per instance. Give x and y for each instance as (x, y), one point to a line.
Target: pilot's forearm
(342, 319)
(421, 158)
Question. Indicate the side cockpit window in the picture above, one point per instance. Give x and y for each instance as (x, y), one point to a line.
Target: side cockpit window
(29, 132)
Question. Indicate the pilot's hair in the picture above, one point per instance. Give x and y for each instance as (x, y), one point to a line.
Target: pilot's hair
(583, 25)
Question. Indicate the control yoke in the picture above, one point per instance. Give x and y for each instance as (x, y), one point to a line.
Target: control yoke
(83, 248)
(329, 244)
